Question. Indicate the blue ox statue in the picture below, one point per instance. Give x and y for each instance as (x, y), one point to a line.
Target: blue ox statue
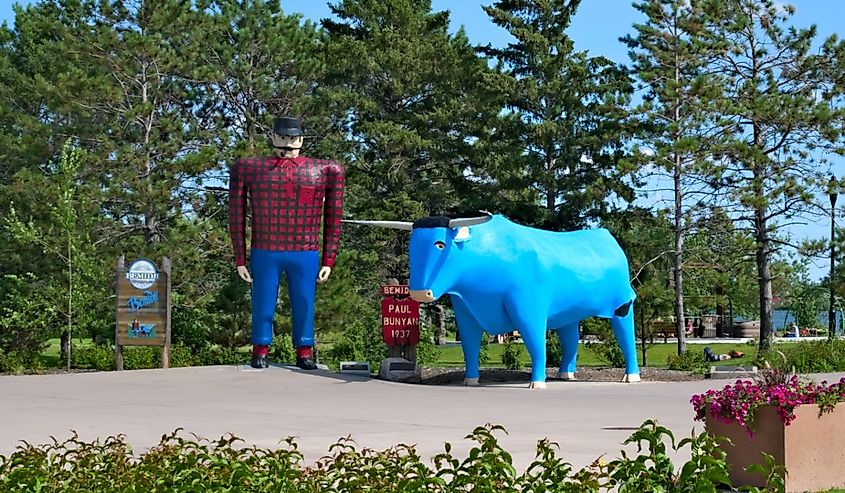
(503, 276)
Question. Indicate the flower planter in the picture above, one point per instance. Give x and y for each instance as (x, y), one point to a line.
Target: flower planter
(812, 448)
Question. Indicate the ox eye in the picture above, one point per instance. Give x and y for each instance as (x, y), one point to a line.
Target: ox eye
(439, 245)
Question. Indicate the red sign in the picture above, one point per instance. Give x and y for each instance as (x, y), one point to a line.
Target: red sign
(395, 290)
(400, 318)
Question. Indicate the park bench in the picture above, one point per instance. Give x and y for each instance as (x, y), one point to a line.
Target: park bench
(666, 328)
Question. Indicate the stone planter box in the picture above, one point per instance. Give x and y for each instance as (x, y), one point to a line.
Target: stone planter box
(812, 448)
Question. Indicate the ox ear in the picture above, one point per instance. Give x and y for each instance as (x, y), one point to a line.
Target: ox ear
(401, 225)
(462, 235)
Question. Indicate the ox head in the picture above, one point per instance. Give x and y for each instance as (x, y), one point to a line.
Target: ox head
(437, 244)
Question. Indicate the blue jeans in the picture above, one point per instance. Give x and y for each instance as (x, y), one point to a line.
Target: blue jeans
(301, 269)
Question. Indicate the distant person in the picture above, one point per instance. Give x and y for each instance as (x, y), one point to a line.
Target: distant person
(699, 330)
(709, 355)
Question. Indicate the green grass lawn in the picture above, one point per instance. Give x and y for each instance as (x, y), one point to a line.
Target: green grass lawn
(50, 355)
(657, 354)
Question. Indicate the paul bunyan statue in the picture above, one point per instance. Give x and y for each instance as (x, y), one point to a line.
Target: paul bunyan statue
(291, 198)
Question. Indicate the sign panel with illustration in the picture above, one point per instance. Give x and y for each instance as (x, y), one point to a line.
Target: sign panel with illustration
(143, 306)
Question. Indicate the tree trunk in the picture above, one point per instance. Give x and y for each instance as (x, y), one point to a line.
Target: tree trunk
(439, 325)
(679, 220)
(679, 248)
(720, 312)
(642, 331)
(65, 346)
(764, 275)
(764, 278)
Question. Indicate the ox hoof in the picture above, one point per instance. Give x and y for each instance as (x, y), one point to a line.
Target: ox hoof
(471, 382)
(567, 375)
(631, 378)
(537, 385)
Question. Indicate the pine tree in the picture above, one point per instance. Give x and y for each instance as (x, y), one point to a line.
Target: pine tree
(564, 112)
(399, 85)
(669, 56)
(776, 106)
(252, 62)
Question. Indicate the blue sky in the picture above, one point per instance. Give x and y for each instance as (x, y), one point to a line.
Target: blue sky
(597, 27)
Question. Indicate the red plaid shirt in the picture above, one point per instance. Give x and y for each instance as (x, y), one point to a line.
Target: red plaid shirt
(286, 196)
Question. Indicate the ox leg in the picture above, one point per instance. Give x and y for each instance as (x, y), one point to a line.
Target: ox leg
(530, 321)
(569, 349)
(623, 329)
(471, 334)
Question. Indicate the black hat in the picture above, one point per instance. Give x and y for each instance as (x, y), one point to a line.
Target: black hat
(284, 125)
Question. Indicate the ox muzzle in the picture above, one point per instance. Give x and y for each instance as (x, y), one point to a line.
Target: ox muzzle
(422, 295)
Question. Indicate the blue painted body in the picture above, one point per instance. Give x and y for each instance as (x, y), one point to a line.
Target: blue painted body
(506, 277)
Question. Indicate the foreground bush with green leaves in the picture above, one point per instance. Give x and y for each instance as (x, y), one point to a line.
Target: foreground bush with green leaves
(825, 356)
(179, 464)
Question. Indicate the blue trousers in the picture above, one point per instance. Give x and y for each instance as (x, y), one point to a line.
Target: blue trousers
(301, 269)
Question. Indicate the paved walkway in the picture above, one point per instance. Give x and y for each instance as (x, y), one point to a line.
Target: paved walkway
(587, 419)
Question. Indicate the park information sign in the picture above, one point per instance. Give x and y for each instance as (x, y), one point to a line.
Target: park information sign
(143, 307)
(400, 316)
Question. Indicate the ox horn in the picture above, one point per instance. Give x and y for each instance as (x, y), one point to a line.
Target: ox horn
(404, 226)
(469, 221)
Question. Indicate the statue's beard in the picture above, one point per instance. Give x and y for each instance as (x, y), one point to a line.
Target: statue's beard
(286, 148)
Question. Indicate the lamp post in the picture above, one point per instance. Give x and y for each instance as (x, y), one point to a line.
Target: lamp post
(831, 321)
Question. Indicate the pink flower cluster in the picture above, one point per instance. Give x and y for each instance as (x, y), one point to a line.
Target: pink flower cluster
(738, 403)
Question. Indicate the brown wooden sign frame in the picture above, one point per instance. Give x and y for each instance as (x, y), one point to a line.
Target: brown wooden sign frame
(149, 306)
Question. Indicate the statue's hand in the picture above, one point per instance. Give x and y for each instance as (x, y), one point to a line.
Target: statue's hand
(244, 273)
(325, 271)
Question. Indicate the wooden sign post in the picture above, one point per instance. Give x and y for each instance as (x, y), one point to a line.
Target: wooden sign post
(143, 307)
(400, 322)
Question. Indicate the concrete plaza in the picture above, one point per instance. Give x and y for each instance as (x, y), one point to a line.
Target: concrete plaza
(587, 419)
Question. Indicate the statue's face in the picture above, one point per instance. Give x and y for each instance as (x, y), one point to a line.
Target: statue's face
(287, 141)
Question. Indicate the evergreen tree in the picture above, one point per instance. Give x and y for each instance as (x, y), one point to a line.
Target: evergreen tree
(564, 115)
(669, 56)
(399, 93)
(778, 116)
(252, 63)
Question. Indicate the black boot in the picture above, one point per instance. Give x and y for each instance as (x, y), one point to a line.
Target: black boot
(305, 358)
(306, 363)
(259, 357)
(259, 361)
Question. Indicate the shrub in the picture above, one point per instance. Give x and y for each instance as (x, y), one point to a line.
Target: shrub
(93, 357)
(606, 349)
(18, 363)
(511, 355)
(826, 356)
(554, 354)
(211, 355)
(181, 356)
(144, 357)
(427, 352)
(282, 350)
(361, 341)
(191, 326)
(692, 361)
(484, 352)
(179, 464)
